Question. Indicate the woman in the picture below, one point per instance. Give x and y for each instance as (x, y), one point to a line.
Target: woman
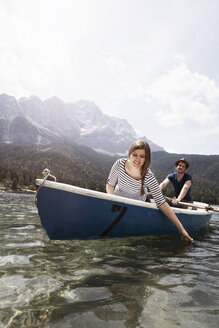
(132, 177)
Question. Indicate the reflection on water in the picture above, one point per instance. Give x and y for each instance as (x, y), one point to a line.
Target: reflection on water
(132, 282)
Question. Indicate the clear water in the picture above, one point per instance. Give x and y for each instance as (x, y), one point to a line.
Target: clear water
(122, 283)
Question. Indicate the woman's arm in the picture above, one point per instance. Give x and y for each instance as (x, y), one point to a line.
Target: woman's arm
(165, 208)
(110, 189)
(113, 178)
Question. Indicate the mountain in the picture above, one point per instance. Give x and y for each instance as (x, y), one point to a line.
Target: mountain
(16, 127)
(76, 142)
(31, 121)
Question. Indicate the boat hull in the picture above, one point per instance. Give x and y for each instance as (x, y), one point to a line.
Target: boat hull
(69, 212)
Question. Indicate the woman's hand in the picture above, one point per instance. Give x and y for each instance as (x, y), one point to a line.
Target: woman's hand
(184, 235)
(165, 208)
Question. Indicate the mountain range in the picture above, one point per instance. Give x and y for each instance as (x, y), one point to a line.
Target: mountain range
(79, 144)
(31, 121)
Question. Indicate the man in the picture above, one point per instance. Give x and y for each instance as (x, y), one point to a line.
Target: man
(181, 182)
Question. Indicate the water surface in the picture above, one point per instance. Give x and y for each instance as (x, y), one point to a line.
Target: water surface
(123, 283)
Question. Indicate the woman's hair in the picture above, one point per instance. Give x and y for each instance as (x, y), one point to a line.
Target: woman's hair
(141, 144)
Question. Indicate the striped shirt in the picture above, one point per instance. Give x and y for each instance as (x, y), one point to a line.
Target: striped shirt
(129, 187)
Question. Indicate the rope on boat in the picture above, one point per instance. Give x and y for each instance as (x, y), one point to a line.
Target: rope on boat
(46, 174)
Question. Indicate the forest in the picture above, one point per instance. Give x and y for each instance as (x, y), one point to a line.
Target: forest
(81, 166)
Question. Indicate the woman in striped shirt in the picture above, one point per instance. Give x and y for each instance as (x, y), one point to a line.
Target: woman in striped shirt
(132, 178)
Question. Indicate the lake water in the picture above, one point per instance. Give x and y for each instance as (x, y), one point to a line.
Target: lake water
(120, 283)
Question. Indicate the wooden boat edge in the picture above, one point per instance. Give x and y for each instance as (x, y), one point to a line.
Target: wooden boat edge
(101, 195)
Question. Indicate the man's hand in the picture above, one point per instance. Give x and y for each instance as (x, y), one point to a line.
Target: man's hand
(175, 201)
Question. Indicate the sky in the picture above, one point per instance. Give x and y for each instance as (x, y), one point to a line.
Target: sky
(153, 62)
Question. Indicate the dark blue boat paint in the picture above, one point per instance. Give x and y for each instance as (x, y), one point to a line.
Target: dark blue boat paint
(68, 215)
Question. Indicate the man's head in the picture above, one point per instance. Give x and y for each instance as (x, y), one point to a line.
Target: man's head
(181, 165)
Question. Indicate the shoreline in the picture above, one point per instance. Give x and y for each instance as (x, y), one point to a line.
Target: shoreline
(17, 191)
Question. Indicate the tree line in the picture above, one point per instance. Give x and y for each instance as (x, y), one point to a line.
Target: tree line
(20, 166)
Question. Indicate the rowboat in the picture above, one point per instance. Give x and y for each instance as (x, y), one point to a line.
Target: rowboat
(70, 212)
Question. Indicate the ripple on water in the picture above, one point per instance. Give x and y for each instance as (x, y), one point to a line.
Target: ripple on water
(21, 245)
(86, 294)
(176, 279)
(27, 227)
(14, 259)
(19, 291)
(97, 319)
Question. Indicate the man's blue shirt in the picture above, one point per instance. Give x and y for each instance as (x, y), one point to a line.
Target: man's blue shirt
(178, 185)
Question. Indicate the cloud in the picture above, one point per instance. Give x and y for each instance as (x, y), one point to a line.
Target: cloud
(182, 95)
(31, 58)
(115, 64)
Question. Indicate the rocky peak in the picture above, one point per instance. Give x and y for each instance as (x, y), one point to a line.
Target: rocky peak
(80, 122)
(9, 107)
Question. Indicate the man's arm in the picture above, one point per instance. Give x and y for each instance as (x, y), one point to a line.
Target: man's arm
(164, 183)
(183, 192)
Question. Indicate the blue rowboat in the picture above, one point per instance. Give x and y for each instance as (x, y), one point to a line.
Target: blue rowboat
(70, 212)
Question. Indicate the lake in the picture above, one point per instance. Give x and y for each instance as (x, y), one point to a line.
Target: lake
(151, 281)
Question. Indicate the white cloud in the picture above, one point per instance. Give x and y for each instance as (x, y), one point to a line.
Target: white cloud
(30, 57)
(183, 95)
(115, 64)
(102, 50)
